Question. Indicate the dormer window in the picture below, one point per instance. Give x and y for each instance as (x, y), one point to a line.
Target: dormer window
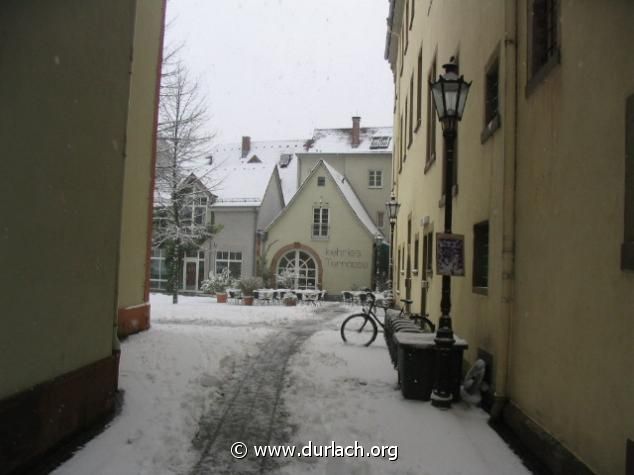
(285, 160)
(254, 159)
(380, 142)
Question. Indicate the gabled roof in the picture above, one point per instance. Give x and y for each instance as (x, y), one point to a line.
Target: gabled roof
(346, 191)
(353, 200)
(340, 141)
(245, 179)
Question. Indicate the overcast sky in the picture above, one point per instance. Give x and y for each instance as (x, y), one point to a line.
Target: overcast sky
(276, 69)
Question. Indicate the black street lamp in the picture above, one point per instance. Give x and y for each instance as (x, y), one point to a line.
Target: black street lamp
(450, 93)
(392, 207)
(378, 239)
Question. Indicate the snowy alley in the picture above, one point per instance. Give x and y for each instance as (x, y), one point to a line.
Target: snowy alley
(207, 375)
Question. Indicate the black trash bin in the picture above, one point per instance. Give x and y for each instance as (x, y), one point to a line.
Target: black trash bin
(417, 364)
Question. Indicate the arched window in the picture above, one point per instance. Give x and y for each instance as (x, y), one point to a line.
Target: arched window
(302, 266)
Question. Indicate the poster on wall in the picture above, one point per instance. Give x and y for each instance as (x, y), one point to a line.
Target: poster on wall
(450, 254)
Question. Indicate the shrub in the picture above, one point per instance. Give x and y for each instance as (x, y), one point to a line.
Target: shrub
(249, 284)
(218, 282)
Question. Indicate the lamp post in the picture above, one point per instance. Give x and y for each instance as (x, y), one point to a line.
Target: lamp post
(392, 207)
(450, 93)
(378, 239)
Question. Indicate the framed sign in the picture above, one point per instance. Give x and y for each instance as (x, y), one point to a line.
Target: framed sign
(450, 254)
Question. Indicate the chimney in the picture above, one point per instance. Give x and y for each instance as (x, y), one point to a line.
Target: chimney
(356, 127)
(246, 146)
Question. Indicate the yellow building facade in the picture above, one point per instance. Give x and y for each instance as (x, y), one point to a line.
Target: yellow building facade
(542, 194)
(336, 254)
(79, 100)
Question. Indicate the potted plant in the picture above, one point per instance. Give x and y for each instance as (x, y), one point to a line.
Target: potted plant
(218, 284)
(289, 299)
(247, 286)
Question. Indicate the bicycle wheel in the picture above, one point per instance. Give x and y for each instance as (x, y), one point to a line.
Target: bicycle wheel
(359, 330)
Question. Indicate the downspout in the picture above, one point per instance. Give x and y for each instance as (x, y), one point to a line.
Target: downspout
(509, 130)
(256, 210)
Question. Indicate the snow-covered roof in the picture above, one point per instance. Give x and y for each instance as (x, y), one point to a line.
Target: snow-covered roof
(371, 140)
(346, 191)
(242, 181)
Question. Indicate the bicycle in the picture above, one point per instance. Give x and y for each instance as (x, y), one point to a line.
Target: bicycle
(361, 329)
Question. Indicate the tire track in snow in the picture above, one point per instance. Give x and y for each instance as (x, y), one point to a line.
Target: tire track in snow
(253, 409)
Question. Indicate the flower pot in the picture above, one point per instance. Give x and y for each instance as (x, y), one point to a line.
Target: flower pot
(221, 297)
(248, 299)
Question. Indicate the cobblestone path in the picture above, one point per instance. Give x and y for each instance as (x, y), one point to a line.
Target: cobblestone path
(253, 410)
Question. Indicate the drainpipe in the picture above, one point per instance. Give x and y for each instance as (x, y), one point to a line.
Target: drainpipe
(509, 130)
(256, 210)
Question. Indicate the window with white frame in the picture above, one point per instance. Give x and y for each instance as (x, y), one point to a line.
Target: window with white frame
(231, 260)
(196, 209)
(158, 272)
(321, 221)
(375, 179)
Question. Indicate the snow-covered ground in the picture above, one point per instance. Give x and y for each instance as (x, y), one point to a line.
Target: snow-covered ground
(346, 394)
(173, 375)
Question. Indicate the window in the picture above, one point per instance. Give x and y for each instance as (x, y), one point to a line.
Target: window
(200, 210)
(544, 32)
(416, 253)
(380, 219)
(411, 111)
(405, 25)
(627, 249)
(285, 159)
(428, 242)
(398, 269)
(419, 90)
(159, 273)
(543, 25)
(196, 209)
(375, 179)
(491, 97)
(405, 134)
(380, 142)
(302, 266)
(320, 223)
(230, 259)
(492, 92)
(431, 119)
(481, 257)
(400, 145)
(321, 181)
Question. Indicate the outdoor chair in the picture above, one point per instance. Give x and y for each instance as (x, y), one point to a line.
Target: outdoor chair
(266, 297)
(311, 298)
(347, 297)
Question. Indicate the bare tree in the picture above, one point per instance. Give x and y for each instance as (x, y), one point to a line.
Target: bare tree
(184, 181)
